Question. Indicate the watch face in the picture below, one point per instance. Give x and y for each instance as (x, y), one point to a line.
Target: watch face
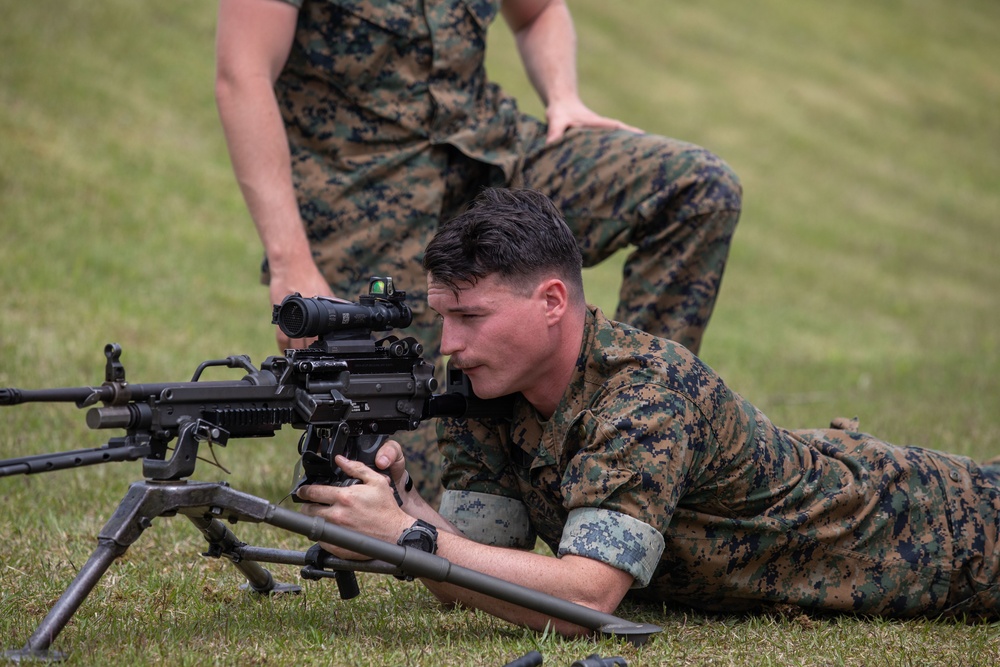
(421, 541)
(421, 538)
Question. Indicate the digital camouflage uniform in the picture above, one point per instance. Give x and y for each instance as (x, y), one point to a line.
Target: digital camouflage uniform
(393, 127)
(651, 464)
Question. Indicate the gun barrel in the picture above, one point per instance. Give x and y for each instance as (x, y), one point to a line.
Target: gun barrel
(79, 395)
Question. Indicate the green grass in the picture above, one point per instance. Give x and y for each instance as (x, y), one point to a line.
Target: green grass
(863, 281)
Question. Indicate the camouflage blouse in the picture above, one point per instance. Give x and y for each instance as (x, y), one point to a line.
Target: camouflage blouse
(652, 464)
(371, 81)
(393, 126)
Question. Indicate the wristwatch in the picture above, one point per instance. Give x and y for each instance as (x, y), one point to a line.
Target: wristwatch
(421, 535)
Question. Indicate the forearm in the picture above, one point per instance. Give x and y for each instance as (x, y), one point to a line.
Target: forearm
(258, 149)
(571, 578)
(546, 43)
(253, 41)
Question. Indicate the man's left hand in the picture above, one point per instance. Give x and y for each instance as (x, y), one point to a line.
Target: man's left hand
(561, 117)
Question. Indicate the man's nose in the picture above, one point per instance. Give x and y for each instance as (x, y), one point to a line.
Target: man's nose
(449, 341)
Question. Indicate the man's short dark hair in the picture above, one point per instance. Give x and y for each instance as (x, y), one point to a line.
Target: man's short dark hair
(517, 235)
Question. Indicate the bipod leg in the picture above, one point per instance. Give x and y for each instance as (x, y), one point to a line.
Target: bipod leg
(38, 644)
(121, 530)
(224, 544)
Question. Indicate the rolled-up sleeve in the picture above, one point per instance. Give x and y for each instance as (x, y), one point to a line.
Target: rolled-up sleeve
(489, 519)
(613, 538)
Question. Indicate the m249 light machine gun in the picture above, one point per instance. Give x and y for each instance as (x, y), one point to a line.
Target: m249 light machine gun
(347, 392)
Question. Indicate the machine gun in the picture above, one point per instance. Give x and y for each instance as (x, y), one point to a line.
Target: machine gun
(347, 392)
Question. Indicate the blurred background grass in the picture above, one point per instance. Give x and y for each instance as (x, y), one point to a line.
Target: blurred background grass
(863, 279)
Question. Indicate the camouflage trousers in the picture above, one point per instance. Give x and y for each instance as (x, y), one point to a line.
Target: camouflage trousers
(675, 205)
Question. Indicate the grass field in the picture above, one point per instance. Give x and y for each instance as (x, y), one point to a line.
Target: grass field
(863, 281)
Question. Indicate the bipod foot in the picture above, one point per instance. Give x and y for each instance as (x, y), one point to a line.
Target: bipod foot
(33, 655)
(635, 634)
(276, 588)
(222, 543)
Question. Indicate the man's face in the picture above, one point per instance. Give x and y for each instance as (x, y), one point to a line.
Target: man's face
(498, 336)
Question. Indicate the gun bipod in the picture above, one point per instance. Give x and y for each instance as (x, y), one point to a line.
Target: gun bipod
(209, 504)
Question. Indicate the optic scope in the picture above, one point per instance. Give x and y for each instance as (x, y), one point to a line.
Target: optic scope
(382, 309)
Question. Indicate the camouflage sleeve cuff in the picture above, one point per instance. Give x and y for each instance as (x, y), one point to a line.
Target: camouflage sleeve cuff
(617, 539)
(489, 519)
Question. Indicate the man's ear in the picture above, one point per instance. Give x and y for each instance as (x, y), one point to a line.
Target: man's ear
(555, 297)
